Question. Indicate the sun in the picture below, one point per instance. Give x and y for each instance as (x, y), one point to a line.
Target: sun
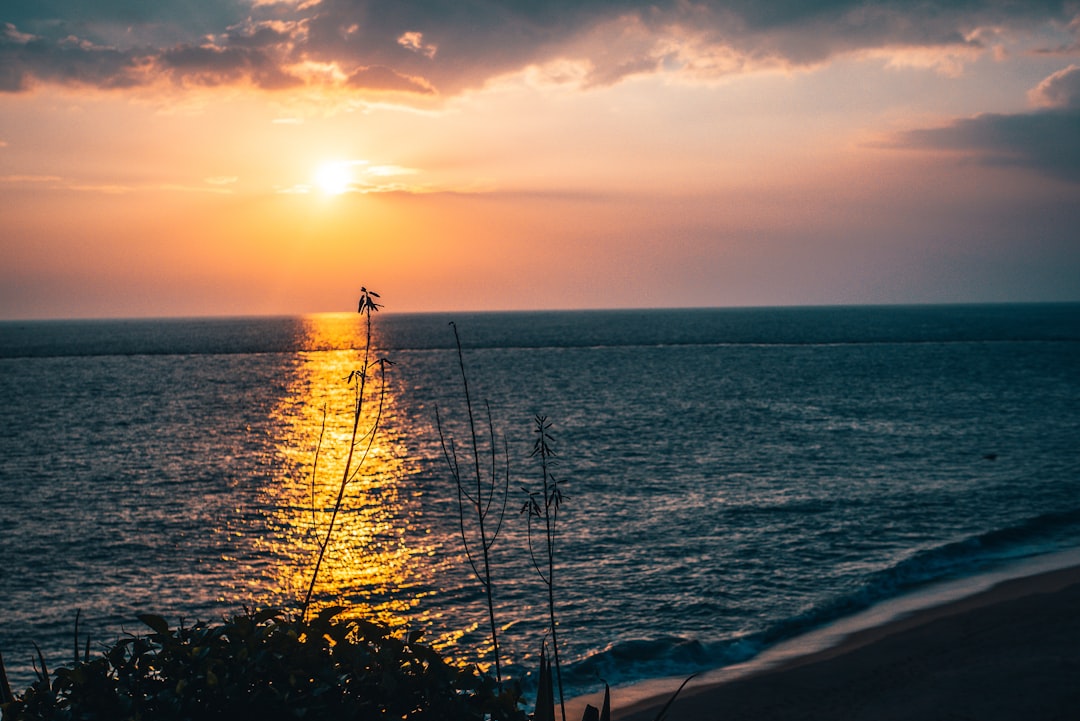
(334, 178)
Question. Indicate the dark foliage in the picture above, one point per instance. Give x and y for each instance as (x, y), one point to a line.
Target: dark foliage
(265, 665)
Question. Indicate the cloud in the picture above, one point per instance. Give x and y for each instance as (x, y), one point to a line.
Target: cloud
(1047, 140)
(415, 41)
(255, 53)
(431, 46)
(30, 178)
(180, 188)
(107, 21)
(26, 58)
(212, 65)
(380, 77)
(218, 185)
(1060, 90)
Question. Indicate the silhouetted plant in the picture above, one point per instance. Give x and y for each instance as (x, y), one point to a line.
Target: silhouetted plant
(599, 714)
(5, 688)
(545, 693)
(265, 665)
(541, 509)
(358, 379)
(543, 506)
(477, 495)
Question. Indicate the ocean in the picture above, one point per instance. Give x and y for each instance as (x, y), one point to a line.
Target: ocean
(731, 477)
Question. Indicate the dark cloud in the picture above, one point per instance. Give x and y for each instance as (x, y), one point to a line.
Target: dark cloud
(25, 60)
(258, 36)
(212, 65)
(477, 39)
(445, 46)
(28, 59)
(1047, 141)
(108, 21)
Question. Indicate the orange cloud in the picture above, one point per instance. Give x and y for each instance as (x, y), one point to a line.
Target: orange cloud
(380, 77)
(414, 41)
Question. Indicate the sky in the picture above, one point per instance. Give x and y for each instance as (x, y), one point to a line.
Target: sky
(252, 157)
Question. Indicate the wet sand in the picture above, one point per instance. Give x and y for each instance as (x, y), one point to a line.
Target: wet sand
(1009, 653)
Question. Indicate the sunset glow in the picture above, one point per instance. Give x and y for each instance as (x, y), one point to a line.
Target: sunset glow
(334, 178)
(672, 154)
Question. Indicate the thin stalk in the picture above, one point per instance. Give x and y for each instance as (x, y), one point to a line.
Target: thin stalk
(550, 519)
(479, 502)
(547, 510)
(315, 468)
(551, 513)
(480, 514)
(359, 379)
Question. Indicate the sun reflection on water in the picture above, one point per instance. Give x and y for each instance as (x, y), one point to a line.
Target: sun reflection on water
(394, 555)
(374, 560)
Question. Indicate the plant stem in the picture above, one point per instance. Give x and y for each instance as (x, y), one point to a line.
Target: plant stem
(480, 510)
(551, 511)
(479, 501)
(359, 378)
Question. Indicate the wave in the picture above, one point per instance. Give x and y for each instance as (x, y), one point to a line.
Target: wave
(639, 659)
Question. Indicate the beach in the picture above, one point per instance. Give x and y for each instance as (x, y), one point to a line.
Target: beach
(1011, 652)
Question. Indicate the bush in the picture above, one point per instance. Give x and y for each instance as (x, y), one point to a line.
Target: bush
(265, 665)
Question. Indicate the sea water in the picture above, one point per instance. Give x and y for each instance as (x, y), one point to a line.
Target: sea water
(730, 477)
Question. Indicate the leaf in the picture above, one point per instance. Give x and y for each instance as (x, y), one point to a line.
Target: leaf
(545, 692)
(265, 615)
(76, 636)
(663, 712)
(5, 688)
(369, 630)
(327, 613)
(159, 624)
(43, 674)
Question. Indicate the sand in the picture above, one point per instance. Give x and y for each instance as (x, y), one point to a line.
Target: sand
(1009, 653)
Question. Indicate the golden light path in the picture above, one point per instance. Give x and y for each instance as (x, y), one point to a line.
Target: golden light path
(386, 561)
(375, 557)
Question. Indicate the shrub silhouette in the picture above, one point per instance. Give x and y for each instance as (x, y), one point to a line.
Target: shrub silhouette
(266, 665)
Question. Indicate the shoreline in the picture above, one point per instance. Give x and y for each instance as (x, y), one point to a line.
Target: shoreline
(1010, 650)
